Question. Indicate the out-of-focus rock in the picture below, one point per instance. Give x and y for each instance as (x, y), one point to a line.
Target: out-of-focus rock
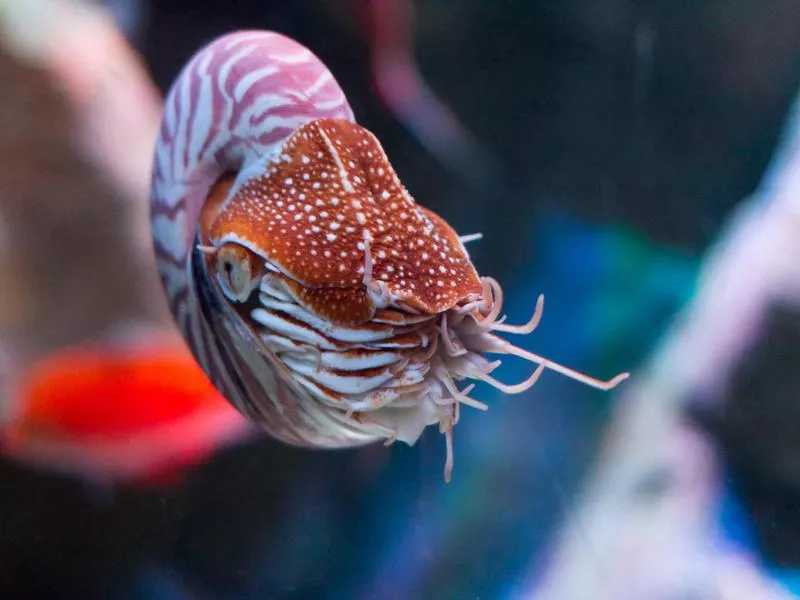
(78, 116)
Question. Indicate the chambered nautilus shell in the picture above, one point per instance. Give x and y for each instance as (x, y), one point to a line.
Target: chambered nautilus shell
(321, 300)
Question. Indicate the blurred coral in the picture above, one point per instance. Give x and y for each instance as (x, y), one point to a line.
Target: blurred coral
(78, 118)
(647, 525)
(138, 411)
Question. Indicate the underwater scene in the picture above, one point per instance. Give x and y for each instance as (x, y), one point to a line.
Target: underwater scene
(399, 299)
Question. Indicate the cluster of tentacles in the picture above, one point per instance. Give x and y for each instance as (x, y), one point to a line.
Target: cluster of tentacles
(397, 374)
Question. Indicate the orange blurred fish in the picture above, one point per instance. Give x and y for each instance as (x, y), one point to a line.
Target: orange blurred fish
(135, 413)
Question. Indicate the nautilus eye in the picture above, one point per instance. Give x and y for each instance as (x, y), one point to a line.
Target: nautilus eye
(237, 271)
(321, 299)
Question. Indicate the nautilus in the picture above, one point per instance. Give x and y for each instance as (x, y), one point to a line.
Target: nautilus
(318, 296)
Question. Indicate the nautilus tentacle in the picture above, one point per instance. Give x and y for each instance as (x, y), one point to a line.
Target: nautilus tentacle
(319, 297)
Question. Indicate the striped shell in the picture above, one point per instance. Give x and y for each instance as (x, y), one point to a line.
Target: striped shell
(320, 298)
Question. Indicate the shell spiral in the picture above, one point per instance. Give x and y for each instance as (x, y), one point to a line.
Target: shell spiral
(234, 102)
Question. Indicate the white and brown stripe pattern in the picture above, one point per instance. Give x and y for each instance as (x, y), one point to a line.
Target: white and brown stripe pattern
(235, 101)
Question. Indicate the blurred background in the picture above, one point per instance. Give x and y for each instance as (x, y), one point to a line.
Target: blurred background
(634, 161)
